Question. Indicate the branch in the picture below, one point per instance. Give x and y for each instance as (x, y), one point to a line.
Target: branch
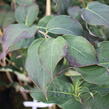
(1, 33)
(45, 35)
(48, 7)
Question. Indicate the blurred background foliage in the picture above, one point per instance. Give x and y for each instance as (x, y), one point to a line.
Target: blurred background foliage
(58, 6)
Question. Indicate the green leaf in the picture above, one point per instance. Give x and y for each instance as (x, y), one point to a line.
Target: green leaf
(6, 18)
(20, 14)
(43, 56)
(98, 102)
(55, 50)
(100, 90)
(24, 2)
(72, 103)
(44, 21)
(63, 24)
(98, 31)
(80, 51)
(72, 73)
(96, 14)
(33, 64)
(103, 53)
(60, 93)
(27, 14)
(95, 74)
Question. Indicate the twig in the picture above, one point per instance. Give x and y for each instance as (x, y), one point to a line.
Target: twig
(18, 74)
(45, 35)
(83, 3)
(13, 4)
(19, 89)
(53, 107)
(7, 72)
(1, 33)
(48, 7)
(9, 77)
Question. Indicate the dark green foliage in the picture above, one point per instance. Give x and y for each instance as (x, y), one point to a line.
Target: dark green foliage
(67, 66)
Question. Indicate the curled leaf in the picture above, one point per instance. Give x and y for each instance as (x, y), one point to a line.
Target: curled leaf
(13, 34)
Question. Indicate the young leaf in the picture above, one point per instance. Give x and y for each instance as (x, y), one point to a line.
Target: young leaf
(103, 53)
(63, 24)
(43, 56)
(15, 33)
(27, 14)
(96, 14)
(80, 51)
(95, 74)
(72, 73)
(60, 88)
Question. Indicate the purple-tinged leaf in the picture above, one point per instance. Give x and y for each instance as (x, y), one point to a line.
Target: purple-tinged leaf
(72, 61)
(80, 51)
(13, 34)
(74, 12)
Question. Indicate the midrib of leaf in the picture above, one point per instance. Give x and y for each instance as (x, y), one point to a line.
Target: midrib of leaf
(97, 15)
(43, 76)
(59, 28)
(59, 92)
(52, 59)
(26, 21)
